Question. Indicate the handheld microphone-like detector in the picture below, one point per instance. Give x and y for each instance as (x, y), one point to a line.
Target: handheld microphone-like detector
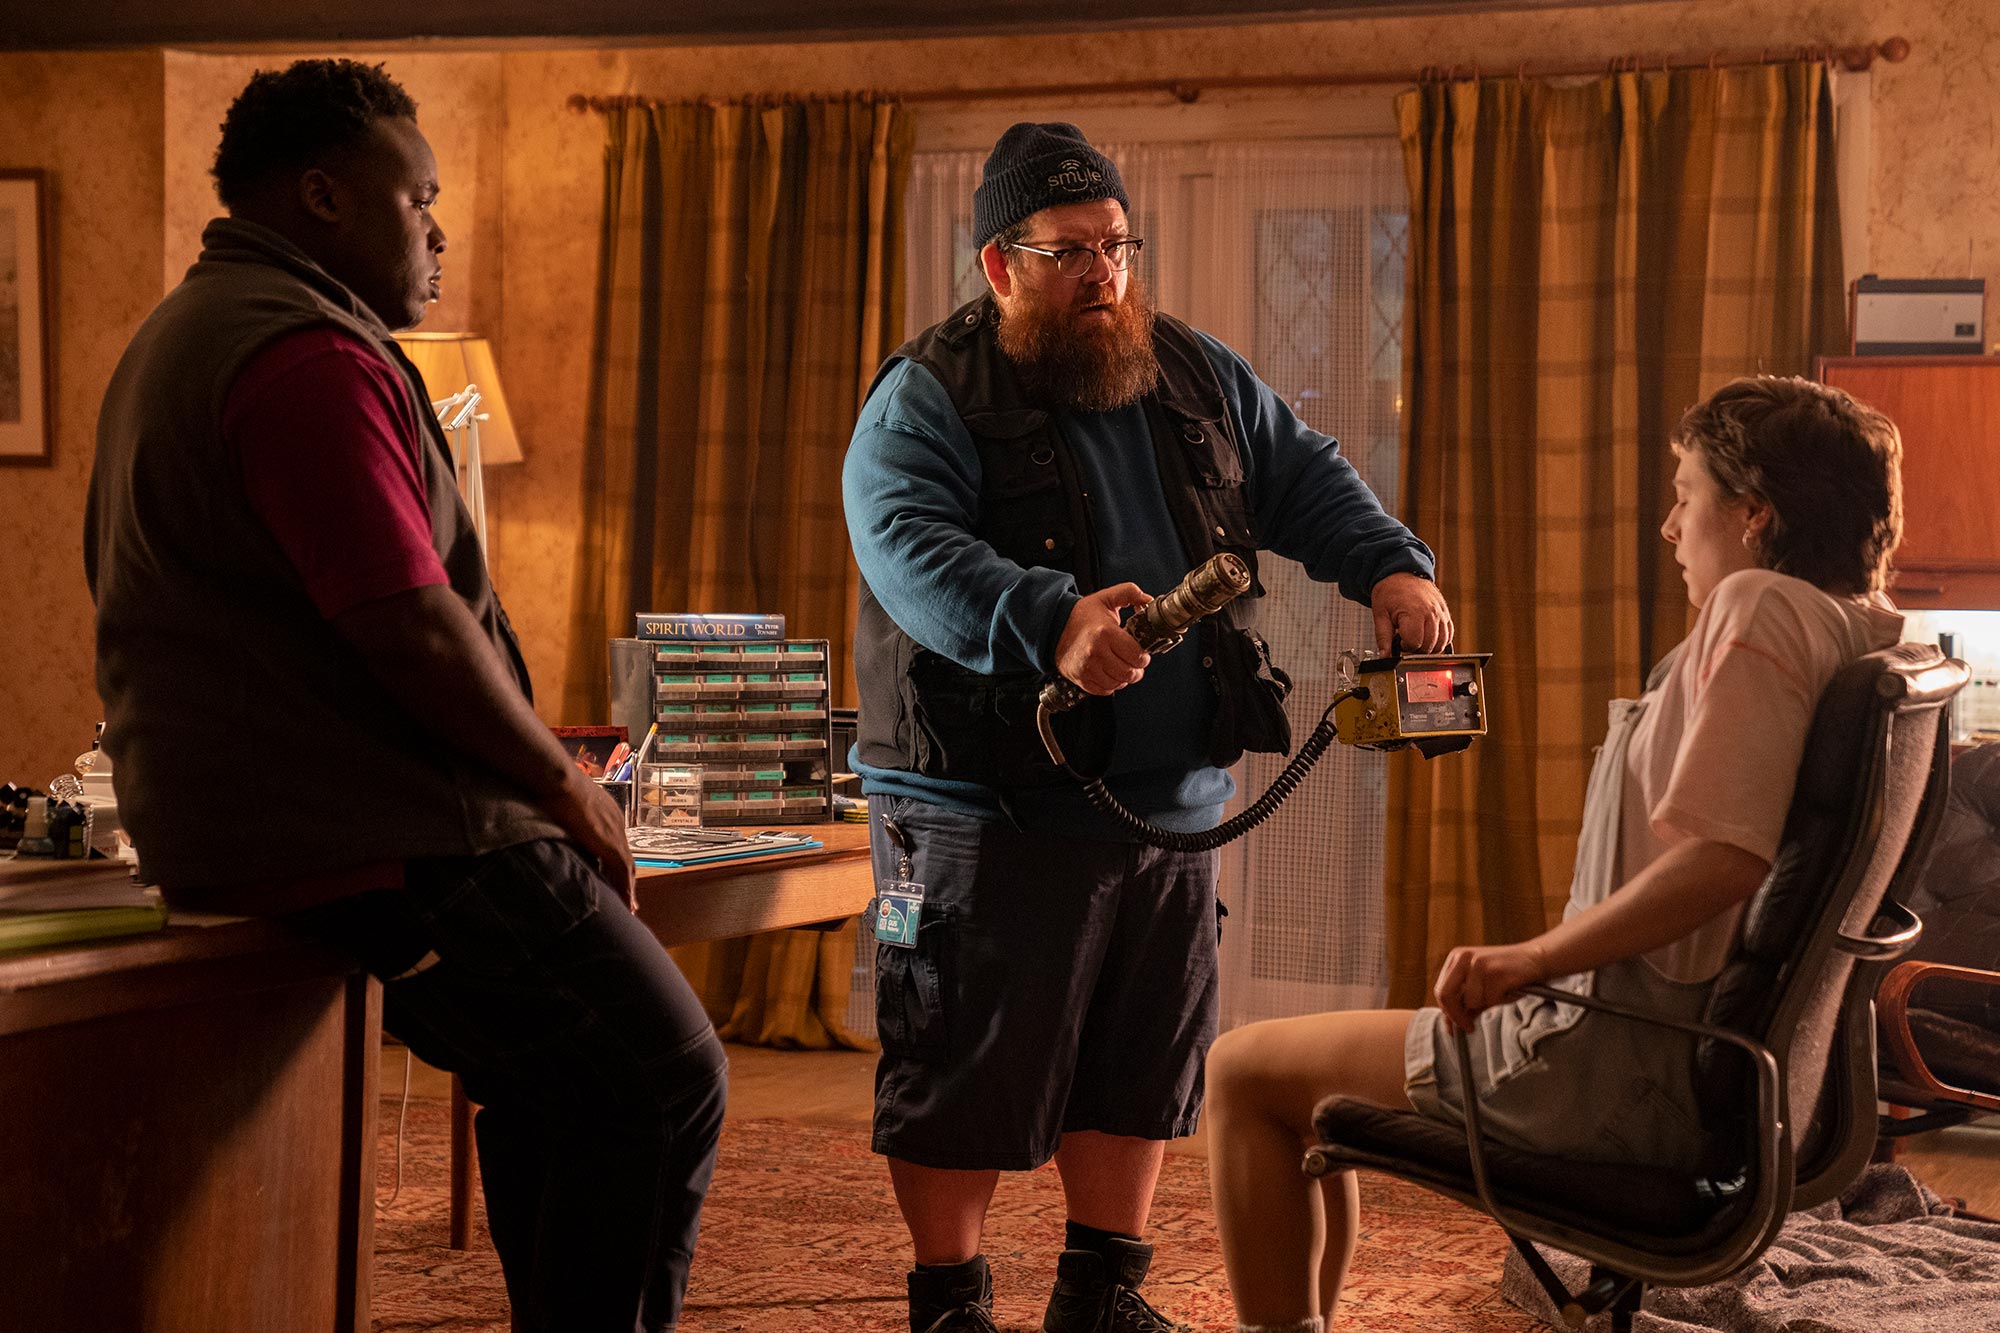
(1164, 621)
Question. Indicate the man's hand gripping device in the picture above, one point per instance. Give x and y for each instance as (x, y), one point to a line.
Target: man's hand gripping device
(1157, 626)
(1434, 701)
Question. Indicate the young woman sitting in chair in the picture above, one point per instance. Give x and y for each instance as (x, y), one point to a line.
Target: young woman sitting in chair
(1787, 505)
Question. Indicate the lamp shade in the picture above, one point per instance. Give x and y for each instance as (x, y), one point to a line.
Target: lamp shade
(449, 362)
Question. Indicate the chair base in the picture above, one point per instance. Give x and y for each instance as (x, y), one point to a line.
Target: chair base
(1605, 1291)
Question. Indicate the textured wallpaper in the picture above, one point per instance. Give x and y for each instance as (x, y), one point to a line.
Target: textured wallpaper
(93, 123)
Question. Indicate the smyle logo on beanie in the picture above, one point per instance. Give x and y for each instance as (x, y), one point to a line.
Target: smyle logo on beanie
(1075, 176)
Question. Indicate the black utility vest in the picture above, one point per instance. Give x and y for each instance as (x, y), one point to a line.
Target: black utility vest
(923, 712)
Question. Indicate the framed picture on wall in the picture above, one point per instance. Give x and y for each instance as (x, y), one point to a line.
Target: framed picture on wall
(26, 359)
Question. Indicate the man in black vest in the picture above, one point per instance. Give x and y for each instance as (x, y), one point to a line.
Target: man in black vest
(317, 708)
(1020, 474)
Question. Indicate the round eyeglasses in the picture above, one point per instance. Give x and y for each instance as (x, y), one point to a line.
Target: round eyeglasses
(1076, 260)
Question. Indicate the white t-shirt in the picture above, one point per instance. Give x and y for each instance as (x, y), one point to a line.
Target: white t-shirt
(1717, 751)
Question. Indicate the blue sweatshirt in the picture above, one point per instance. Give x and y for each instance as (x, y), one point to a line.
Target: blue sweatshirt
(911, 490)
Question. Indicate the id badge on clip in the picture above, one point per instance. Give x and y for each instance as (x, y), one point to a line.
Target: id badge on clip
(899, 911)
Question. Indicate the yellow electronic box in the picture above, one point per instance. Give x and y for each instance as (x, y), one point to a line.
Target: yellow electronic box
(1434, 701)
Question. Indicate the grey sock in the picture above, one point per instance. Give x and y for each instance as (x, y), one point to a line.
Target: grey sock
(1310, 1324)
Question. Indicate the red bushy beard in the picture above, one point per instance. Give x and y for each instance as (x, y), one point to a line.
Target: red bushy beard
(1065, 364)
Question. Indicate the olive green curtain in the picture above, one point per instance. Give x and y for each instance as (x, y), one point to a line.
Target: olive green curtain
(749, 283)
(1586, 261)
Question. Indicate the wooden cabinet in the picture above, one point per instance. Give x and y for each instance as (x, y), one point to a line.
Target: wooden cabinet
(1948, 410)
(189, 1139)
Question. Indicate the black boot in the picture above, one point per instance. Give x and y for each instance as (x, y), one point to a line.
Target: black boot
(1097, 1292)
(952, 1298)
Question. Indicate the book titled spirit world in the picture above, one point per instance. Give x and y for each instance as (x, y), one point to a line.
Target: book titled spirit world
(697, 627)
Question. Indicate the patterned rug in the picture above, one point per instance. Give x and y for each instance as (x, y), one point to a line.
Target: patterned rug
(801, 1233)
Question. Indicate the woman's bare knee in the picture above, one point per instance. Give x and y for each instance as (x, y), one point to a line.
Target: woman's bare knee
(1232, 1064)
(1299, 1061)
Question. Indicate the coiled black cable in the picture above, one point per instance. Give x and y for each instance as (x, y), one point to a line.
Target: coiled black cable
(1229, 830)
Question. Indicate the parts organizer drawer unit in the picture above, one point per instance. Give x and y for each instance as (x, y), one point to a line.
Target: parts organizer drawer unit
(756, 717)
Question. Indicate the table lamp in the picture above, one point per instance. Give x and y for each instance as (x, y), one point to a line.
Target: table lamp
(474, 415)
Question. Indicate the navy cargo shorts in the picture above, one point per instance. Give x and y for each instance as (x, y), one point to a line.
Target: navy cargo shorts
(1057, 984)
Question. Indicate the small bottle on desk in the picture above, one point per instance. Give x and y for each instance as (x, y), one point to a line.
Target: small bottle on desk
(35, 840)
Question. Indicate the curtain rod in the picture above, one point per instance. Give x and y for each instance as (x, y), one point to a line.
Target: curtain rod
(1852, 58)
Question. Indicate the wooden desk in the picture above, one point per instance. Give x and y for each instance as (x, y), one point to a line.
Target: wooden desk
(730, 898)
(714, 902)
(189, 1134)
(189, 1116)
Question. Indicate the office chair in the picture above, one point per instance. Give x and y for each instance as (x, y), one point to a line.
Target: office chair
(1784, 1052)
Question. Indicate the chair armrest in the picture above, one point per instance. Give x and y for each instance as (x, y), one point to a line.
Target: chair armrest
(1770, 1143)
(1904, 929)
(1756, 1050)
(1892, 1001)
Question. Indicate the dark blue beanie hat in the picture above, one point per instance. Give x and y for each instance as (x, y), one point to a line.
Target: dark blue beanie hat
(1034, 167)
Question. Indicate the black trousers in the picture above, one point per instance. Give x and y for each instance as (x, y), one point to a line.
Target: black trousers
(599, 1078)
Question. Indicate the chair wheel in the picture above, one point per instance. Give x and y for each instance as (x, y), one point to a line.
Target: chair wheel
(1317, 1163)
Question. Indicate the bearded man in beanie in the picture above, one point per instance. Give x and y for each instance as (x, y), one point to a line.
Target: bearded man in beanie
(1022, 473)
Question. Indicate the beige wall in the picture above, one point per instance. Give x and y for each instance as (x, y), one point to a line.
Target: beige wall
(522, 180)
(93, 123)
